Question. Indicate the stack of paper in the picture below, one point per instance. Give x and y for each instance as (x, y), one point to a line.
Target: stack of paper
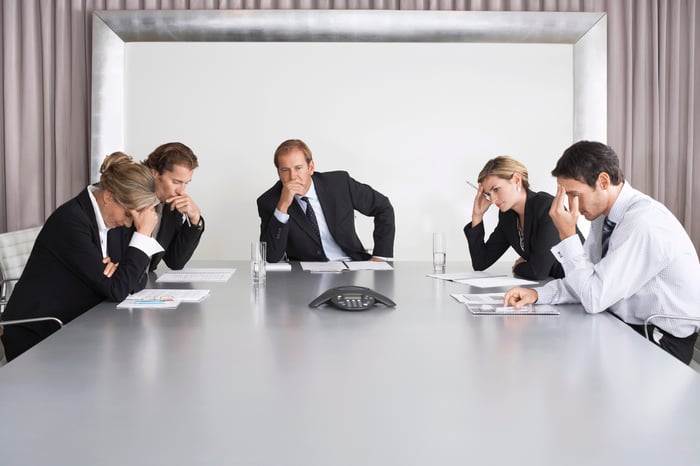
(494, 282)
(162, 298)
(492, 304)
(331, 266)
(482, 279)
(196, 275)
(462, 275)
(368, 265)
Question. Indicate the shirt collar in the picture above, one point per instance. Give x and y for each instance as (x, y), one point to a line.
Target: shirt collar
(620, 206)
(98, 215)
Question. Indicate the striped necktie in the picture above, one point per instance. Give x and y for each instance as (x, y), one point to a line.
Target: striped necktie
(311, 217)
(608, 226)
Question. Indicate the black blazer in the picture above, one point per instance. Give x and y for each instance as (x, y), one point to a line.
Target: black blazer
(64, 274)
(540, 236)
(340, 196)
(178, 238)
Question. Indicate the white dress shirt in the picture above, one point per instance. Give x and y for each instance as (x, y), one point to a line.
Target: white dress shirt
(330, 247)
(651, 267)
(146, 244)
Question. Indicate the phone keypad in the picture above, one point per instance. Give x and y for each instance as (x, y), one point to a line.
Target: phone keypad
(354, 303)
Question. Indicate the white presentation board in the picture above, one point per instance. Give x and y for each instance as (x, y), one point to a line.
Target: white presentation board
(414, 120)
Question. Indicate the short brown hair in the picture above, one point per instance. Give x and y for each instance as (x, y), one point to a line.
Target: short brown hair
(132, 184)
(165, 156)
(288, 146)
(585, 160)
(505, 167)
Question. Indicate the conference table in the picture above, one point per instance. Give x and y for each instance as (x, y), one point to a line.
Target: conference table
(254, 376)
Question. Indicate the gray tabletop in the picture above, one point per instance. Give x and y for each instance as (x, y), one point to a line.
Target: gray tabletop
(253, 376)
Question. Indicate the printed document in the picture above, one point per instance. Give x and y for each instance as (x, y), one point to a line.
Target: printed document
(368, 265)
(196, 275)
(331, 266)
(492, 304)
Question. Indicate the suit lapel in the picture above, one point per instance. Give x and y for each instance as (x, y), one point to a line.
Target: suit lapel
(165, 219)
(327, 202)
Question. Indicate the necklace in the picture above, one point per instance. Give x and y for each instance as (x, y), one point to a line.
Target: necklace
(520, 236)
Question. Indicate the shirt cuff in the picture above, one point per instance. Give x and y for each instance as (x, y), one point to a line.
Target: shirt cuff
(567, 249)
(545, 294)
(283, 218)
(146, 244)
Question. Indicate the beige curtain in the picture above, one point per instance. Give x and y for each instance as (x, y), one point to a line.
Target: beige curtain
(653, 95)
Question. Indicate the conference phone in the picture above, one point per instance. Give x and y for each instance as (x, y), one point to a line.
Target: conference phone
(351, 298)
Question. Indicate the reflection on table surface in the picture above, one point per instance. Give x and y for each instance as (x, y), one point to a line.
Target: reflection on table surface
(252, 375)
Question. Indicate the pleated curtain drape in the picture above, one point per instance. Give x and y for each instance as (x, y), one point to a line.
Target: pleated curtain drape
(45, 63)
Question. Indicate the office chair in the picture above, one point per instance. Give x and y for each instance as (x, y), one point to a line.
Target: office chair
(670, 316)
(3, 324)
(15, 247)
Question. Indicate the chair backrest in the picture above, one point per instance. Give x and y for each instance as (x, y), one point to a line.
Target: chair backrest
(15, 247)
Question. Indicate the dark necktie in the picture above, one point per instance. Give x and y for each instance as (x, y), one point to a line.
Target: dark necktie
(311, 217)
(608, 226)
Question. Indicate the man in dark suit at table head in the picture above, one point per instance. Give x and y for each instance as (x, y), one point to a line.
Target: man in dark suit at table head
(637, 261)
(310, 215)
(181, 223)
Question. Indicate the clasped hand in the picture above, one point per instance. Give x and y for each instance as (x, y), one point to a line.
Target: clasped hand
(145, 220)
(186, 206)
(289, 190)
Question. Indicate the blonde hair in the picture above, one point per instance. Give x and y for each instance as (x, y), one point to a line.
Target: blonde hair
(132, 184)
(504, 167)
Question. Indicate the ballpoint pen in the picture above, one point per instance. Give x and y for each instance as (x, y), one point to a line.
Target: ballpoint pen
(487, 196)
(185, 218)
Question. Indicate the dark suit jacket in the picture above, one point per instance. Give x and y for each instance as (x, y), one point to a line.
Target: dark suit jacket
(340, 196)
(64, 274)
(178, 238)
(540, 235)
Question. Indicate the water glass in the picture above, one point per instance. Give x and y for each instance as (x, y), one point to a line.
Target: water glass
(258, 261)
(439, 252)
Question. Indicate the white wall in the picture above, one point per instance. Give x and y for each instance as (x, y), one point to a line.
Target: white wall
(412, 120)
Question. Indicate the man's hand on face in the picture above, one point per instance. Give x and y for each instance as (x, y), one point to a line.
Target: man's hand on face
(564, 220)
(289, 190)
(186, 206)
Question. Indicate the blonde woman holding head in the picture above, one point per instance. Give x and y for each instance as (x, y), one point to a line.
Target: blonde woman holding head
(73, 266)
(523, 222)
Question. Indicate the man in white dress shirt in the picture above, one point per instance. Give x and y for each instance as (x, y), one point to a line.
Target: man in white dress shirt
(637, 260)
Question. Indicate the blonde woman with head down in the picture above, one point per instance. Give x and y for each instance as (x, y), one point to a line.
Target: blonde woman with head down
(523, 222)
(73, 265)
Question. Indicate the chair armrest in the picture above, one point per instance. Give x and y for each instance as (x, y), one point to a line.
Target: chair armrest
(665, 316)
(3, 286)
(29, 321)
